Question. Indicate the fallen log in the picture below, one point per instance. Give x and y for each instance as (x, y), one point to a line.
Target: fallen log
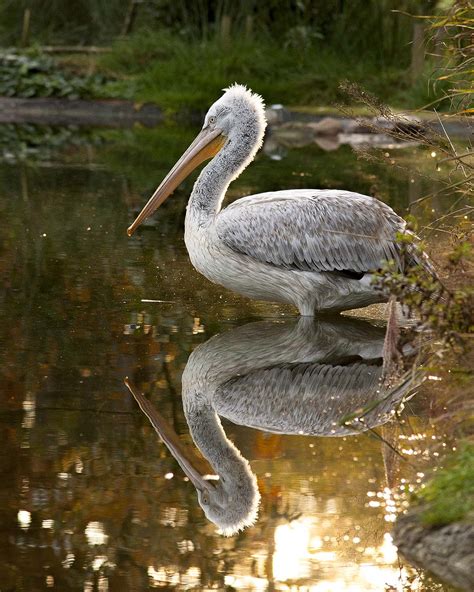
(74, 49)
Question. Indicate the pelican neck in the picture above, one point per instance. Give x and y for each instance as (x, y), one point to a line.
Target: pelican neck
(211, 186)
(208, 434)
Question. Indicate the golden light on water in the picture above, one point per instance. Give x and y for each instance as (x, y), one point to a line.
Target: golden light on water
(300, 553)
(29, 407)
(24, 519)
(95, 533)
(290, 560)
(162, 575)
(191, 578)
(388, 550)
(246, 582)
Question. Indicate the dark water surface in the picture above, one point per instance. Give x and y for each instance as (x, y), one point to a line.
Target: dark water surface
(90, 498)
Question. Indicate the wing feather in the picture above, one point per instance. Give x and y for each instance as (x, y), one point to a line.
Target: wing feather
(312, 230)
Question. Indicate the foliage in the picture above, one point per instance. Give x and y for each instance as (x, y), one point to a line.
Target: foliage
(183, 53)
(36, 75)
(56, 21)
(449, 496)
(177, 72)
(455, 31)
(448, 313)
(452, 80)
(361, 26)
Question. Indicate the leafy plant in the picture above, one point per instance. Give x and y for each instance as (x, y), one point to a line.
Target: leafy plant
(37, 75)
(448, 313)
(454, 31)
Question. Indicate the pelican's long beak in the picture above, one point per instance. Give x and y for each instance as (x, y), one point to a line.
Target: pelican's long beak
(194, 467)
(206, 145)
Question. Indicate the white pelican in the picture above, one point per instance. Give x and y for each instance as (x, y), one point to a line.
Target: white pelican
(287, 378)
(314, 248)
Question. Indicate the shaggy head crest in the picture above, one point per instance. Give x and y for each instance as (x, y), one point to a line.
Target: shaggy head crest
(241, 508)
(239, 92)
(239, 98)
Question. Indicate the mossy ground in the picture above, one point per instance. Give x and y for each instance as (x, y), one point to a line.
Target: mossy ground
(449, 496)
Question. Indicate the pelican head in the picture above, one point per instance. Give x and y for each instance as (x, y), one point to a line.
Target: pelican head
(232, 501)
(235, 120)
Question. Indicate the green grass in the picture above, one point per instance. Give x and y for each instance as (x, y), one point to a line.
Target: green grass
(449, 496)
(181, 74)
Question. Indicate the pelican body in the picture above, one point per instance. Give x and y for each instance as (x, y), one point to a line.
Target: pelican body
(316, 249)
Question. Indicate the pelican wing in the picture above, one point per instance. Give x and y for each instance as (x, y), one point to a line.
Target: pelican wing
(312, 230)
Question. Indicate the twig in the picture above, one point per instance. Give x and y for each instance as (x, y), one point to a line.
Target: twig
(458, 157)
(420, 199)
(74, 49)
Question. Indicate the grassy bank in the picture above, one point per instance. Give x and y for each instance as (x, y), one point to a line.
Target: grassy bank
(180, 74)
(449, 496)
(177, 73)
(181, 54)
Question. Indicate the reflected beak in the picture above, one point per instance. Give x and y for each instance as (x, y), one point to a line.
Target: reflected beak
(193, 466)
(206, 145)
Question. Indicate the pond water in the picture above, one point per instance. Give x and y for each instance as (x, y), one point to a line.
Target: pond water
(91, 498)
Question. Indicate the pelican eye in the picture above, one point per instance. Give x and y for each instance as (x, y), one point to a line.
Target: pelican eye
(212, 119)
(205, 498)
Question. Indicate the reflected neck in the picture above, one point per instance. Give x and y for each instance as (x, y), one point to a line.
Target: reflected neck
(209, 436)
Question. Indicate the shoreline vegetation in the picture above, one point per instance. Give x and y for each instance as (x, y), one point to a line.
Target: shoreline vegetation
(182, 76)
(180, 55)
(437, 532)
(189, 74)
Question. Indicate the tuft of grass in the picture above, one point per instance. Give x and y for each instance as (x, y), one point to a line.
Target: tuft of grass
(179, 73)
(449, 496)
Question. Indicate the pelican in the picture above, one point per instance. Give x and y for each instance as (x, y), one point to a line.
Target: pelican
(314, 248)
(295, 377)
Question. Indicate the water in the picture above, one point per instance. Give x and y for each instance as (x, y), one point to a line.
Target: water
(91, 498)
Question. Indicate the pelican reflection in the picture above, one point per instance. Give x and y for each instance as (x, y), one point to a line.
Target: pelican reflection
(292, 377)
